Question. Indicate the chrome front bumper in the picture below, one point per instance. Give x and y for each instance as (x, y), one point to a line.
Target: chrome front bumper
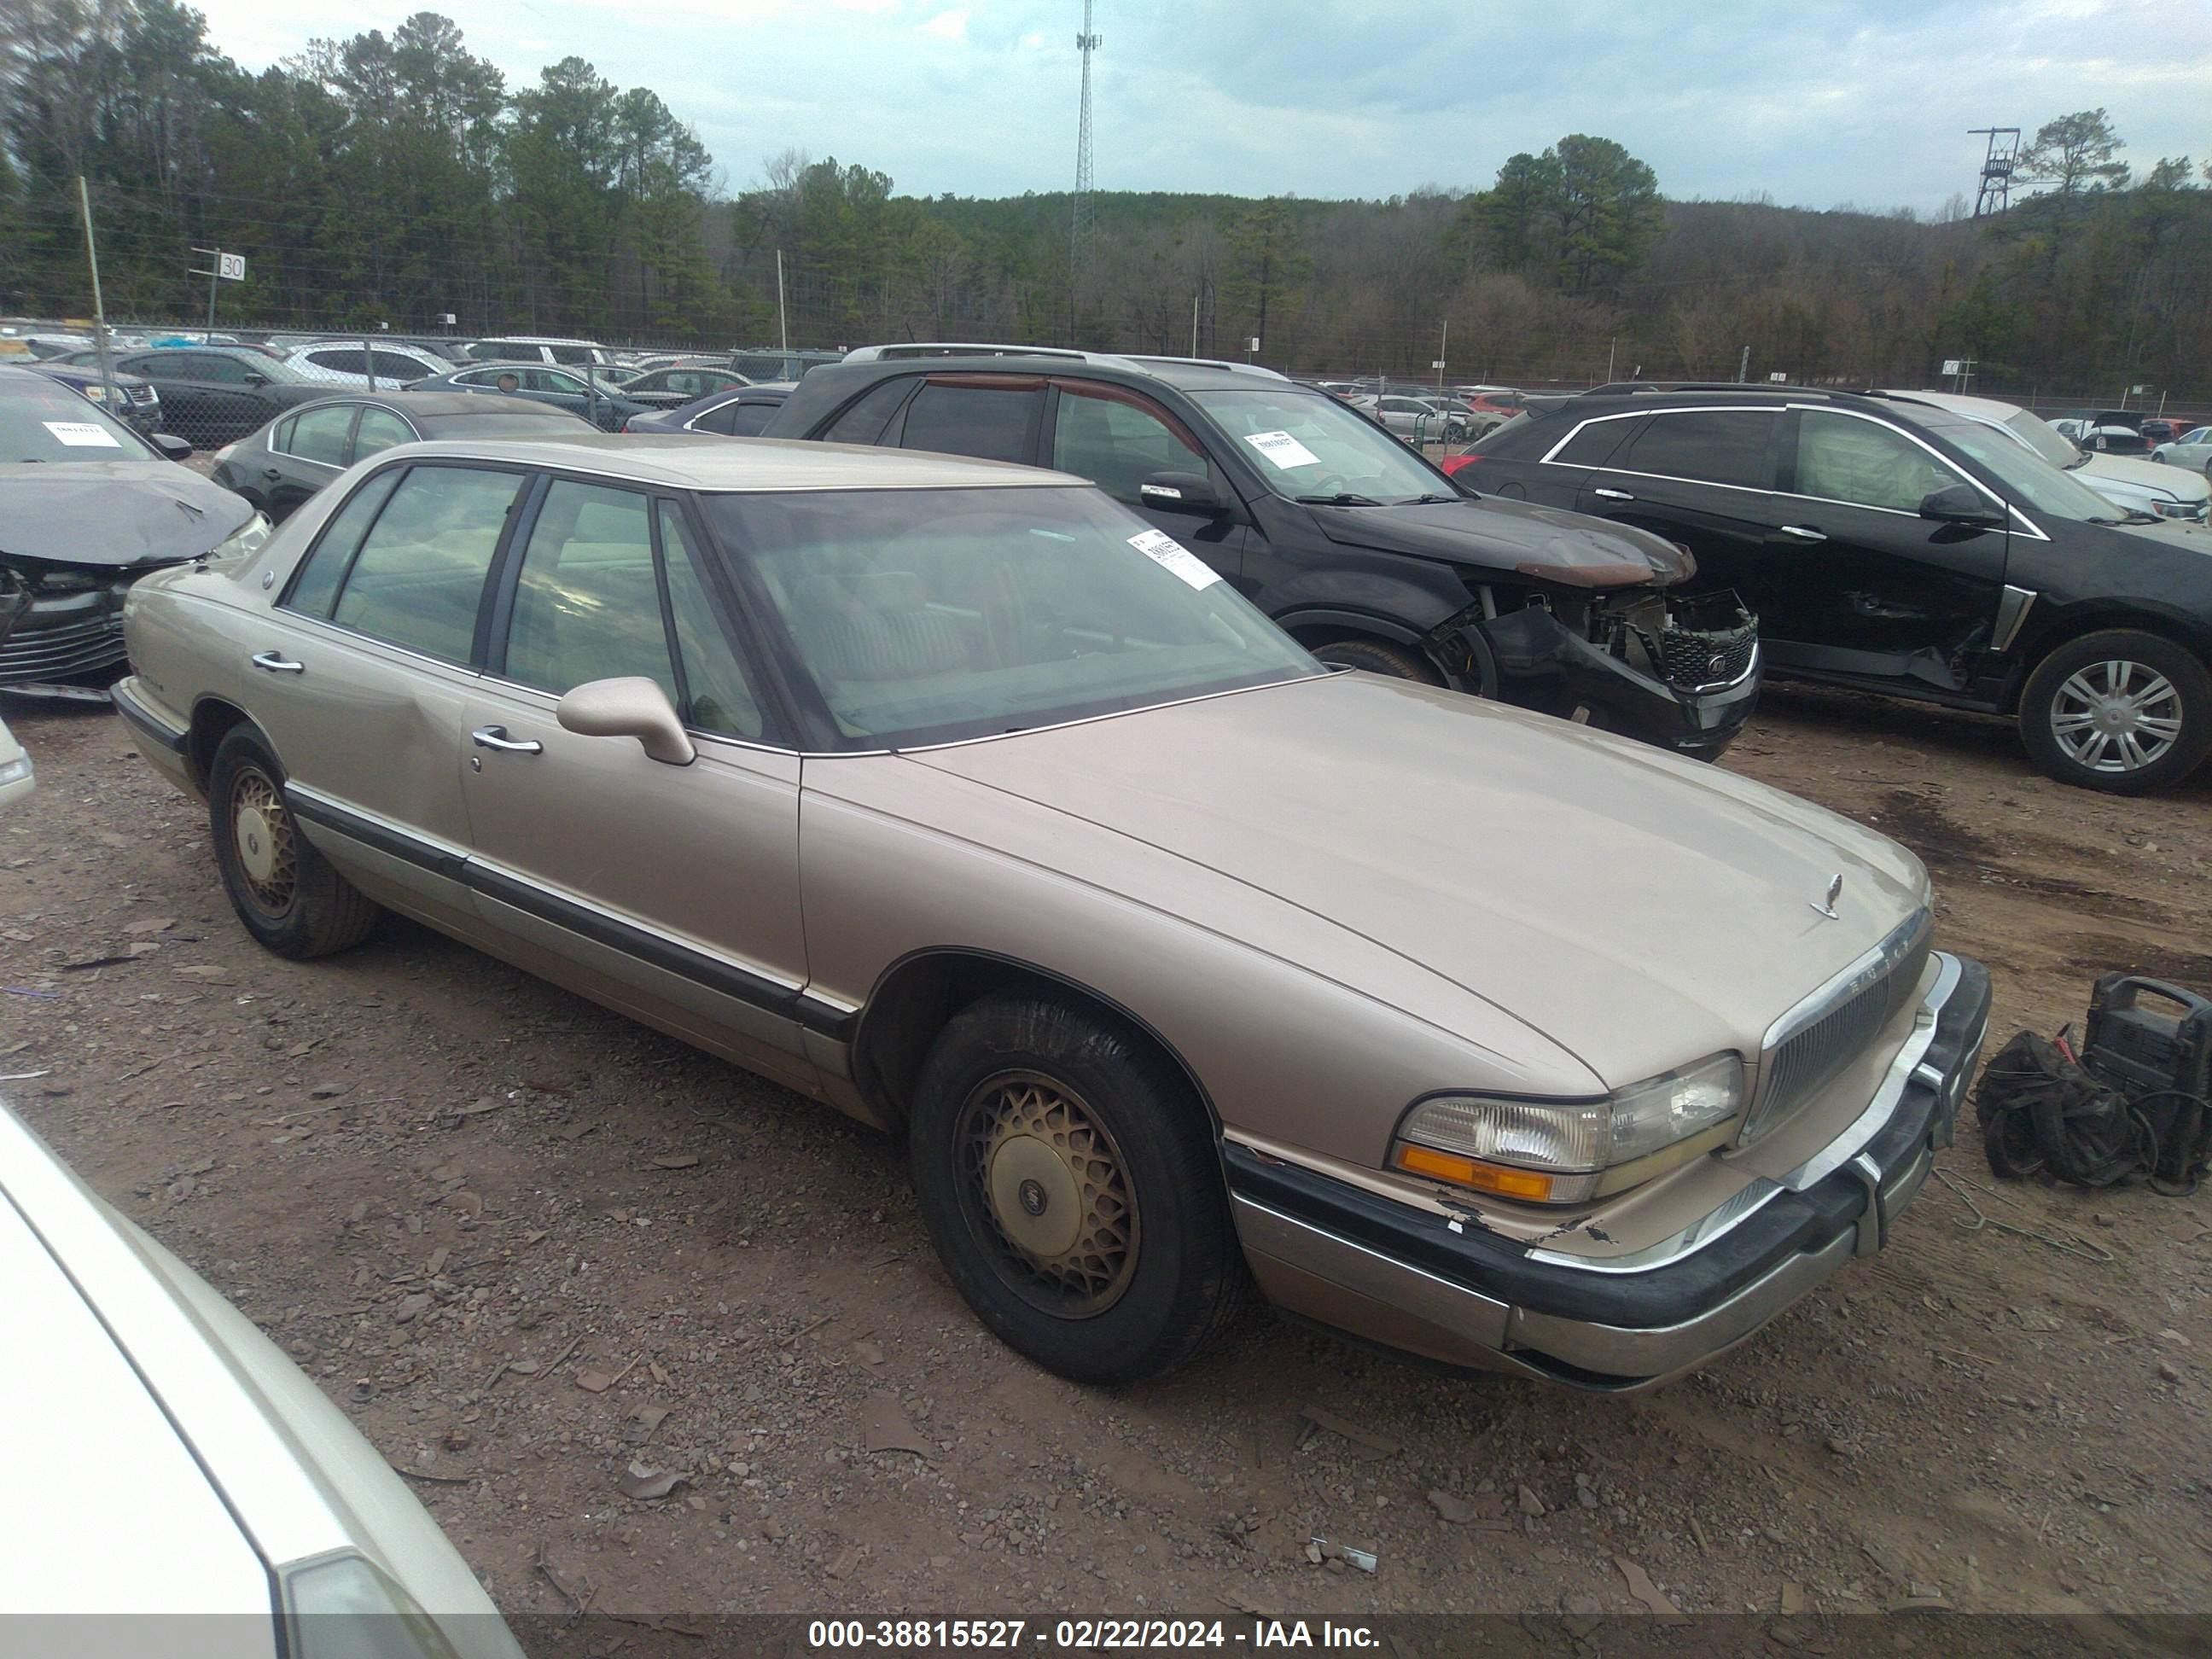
(1346, 1257)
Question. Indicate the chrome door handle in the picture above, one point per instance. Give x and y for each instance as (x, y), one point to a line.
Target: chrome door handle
(1613, 494)
(1804, 532)
(495, 737)
(275, 662)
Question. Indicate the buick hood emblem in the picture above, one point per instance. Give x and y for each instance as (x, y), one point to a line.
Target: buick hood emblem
(1828, 906)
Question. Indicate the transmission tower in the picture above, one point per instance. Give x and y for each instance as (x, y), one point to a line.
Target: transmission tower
(1078, 239)
(1996, 169)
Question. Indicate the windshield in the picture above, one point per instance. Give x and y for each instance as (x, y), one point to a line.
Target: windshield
(2027, 480)
(931, 616)
(47, 423)
(2046, 440)
(1312, 448)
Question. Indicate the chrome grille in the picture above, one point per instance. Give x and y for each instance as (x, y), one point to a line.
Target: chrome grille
(74, 647)
(1817, 1039)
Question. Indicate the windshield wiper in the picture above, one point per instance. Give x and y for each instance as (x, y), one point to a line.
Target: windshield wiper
(1430, 501)
(1343, 498)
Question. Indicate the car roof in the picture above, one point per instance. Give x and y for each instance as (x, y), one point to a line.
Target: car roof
(712, 463)
(422, 403)
(1981, 409)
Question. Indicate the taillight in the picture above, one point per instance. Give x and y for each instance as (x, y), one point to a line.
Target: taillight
(625, 426)
(1452, 464)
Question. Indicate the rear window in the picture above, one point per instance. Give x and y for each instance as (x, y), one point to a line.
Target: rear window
(1710, 446)
(991, 423)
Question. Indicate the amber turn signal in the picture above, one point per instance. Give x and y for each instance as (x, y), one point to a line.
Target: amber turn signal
(1472, 1172)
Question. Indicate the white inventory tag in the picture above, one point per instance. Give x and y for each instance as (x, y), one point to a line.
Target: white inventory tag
(82, 434)
(1166, 551)
(1284, 451)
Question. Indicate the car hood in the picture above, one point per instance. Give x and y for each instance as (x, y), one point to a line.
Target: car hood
(114, 512)
(2179, 481)
(1546, 543)
(1636, 909)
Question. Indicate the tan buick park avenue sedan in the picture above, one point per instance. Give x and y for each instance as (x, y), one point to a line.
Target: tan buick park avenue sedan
(955, 795)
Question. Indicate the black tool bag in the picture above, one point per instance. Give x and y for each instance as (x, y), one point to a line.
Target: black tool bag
(2134, 1104)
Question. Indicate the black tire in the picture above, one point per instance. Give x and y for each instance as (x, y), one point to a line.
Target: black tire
(285, 893)
(1161, 1275)
(2053, 693)
(1380, 657)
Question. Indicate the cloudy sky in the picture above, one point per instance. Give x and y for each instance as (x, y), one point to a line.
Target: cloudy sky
(1816, 102)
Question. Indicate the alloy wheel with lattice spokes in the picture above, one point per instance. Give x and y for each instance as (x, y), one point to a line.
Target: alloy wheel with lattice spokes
(1043, 1182)
(2115, 715)
(261, 838)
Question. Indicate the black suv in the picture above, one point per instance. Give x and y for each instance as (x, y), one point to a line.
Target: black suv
(1344, 536)
(1893, 546)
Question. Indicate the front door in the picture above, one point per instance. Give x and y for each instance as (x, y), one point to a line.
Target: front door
(669, 891)
(1117, 438)
(1862, 584)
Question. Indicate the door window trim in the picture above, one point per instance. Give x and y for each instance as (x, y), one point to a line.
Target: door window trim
(280, 442)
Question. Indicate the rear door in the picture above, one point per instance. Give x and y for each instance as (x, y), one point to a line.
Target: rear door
(1860, 582)
(1117, 437)
(670, 891)
(1703, 477)
(993, 417)
(315, 445)
(363, 683)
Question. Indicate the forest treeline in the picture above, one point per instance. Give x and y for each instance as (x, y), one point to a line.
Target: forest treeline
(391, 179)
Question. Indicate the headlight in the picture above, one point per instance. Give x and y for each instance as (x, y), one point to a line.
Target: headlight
(96, 391)
(14, 771)
(1561, 1152)
(342, 1606)
(244, 541)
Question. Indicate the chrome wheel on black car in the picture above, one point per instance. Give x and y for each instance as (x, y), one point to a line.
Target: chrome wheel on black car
(2121, 711)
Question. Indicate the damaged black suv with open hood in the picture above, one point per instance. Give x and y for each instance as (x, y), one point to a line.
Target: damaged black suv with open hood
(87, 507)
(1348, 538)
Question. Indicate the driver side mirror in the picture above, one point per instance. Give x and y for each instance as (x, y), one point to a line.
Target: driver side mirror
(1961, 503)
(1182, 492)
(254, 377)
(632, 706)
(170, 444)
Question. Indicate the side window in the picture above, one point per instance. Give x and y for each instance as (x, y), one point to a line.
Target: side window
(750, 420)
(1712, 446)
(721, 700)
(864, 421)
(563, 354)
(227, 371)
(420, 574)
(1593, 445)
(317, 584)
(320, 434)
(1117, 441)
(993, 422)
(552, 379)
(390, 366)
(587, 606)
(1841, 458)
(280, 439)
(346, 363)
(723, 420)
(380, 430)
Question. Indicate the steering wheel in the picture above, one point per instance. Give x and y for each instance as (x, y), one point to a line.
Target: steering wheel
(1334, 483)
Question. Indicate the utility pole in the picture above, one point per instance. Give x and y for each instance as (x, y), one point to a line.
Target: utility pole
(98, 306)
(1194, 325)
(1442, 340)
(782, 322)
(1743, 367)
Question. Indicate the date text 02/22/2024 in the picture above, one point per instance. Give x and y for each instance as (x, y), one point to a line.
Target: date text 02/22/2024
(1089, 1635)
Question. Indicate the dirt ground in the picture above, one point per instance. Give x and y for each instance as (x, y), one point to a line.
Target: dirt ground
(528, 1244)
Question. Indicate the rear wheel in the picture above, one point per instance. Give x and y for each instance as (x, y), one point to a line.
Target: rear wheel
(2121, 711)
(285, 892)
(1069, 1182)
(1379, 657)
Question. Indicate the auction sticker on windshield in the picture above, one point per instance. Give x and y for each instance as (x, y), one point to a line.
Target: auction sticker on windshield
(82, 434)
(1284, 451)
(1166, 551)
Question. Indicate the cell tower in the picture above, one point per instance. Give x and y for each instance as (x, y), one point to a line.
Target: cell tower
(1078, 239)
(1996, 169)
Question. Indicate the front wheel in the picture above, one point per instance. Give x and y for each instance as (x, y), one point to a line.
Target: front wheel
(1379, 657)
(1068, 1180)
(2124, 712)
